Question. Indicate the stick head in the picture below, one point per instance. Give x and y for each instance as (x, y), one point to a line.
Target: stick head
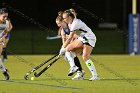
(26, 77)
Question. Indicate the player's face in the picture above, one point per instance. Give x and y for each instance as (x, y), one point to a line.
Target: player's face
(59, 23)
(3, 16)
(66, 18)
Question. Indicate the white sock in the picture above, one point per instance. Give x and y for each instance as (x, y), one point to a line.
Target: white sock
(91, 67)
(2, 66)
(70, 59)
(73, 54)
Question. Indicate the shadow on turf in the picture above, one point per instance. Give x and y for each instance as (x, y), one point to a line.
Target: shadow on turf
(39, 84)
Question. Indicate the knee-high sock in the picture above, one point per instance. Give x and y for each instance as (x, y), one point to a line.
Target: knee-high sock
(2, 66)
(70, 59)
(91, 67)
(77, 63)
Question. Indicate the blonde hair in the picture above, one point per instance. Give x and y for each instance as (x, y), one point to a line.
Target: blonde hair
(70, 12)
(60, 17)
(60, 13)
(73, 12)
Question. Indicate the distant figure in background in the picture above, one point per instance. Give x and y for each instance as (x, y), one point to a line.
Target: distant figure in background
(4, 26)
(73, 60)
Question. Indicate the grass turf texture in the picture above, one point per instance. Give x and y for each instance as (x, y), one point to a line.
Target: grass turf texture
(118, 73)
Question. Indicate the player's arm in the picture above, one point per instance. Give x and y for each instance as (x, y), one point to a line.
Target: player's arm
(63, 35)
(10, 26)
(69, 39)
(59, 31)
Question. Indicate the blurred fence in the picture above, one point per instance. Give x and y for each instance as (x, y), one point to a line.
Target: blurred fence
(33, 41)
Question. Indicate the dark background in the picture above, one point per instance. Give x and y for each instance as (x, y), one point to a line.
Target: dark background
(34, 20)
(45, 11)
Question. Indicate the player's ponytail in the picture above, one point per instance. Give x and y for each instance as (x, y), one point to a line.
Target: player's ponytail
(60, 13)
(69, 13)
(73, 12)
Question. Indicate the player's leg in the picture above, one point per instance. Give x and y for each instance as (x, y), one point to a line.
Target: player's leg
(2, 67)
(88, 45)
(4, 52)
(73, 67)
(89, 63)
(80, 73)
(71, 47)
(70, 58)
(77, 52)
(77, 63)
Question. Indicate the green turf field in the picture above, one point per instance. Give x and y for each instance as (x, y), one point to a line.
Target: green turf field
(118, 73)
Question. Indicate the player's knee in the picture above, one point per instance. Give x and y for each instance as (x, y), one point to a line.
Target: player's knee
(68, 49)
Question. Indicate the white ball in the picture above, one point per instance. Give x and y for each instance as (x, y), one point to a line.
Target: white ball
(32, 78)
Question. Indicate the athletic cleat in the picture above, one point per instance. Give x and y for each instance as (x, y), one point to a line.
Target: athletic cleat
(72, 70)
(94, 78)
(6, 75)
(79, 75)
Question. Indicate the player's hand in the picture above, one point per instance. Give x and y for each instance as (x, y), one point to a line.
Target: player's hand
(62, 51)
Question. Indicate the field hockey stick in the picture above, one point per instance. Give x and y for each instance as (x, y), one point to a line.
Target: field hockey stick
(26, 76)
(42, 71)
(53, 38)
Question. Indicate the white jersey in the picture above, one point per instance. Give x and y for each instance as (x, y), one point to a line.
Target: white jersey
(3, 26)
(86, 34)
(77, 25)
